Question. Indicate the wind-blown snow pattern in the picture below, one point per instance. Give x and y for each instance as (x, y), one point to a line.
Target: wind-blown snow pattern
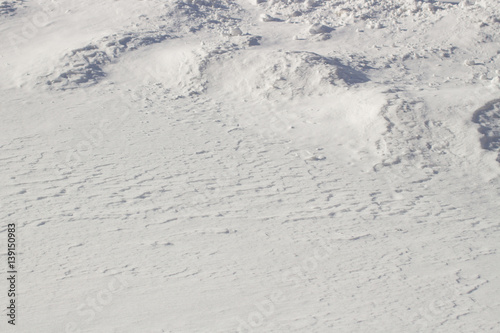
(251, 165)
(8, 8)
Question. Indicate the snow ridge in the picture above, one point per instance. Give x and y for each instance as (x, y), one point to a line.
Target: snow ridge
(84, 66)
(488, 118)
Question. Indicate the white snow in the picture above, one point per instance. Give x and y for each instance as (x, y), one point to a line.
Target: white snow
(251, 166)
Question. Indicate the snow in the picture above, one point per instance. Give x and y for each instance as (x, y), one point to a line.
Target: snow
(252, 166)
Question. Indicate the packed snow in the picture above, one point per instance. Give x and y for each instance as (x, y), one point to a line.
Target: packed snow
(251, 165)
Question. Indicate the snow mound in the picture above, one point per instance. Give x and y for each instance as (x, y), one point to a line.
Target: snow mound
(379, 13)
(84, 66)
(290, 74)
(488, 118)
(195, 15)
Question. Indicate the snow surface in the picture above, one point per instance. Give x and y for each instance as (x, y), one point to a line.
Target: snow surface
(252, 166)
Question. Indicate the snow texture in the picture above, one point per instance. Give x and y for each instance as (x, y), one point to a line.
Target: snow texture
(252, 165)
